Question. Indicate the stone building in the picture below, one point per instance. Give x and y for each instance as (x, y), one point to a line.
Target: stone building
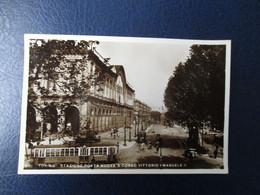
(105, 105)
(142, 114)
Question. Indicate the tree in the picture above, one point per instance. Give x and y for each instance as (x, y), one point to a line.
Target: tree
(49, 61)
(195, 92)
(156, 116)
(57, 68)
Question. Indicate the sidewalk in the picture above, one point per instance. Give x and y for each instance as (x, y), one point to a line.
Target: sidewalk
(118, 135)
(56, 141)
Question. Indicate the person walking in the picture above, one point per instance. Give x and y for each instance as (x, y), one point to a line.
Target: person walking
(158, 142)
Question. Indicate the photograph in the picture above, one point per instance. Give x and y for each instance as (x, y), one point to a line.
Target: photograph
(124, 105)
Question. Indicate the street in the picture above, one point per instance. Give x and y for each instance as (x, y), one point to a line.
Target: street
(134, 154)
(171, 154)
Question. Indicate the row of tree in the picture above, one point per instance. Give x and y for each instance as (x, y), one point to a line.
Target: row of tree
(195, 92)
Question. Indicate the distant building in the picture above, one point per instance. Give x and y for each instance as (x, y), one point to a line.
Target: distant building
(156, 117)
(142, 114)
(104, 107)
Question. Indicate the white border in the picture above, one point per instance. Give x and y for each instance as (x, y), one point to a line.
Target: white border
(21, 169)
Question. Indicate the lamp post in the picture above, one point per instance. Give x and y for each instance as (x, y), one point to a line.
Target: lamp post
(135, 126)
(138, 121)
(135, 121)
(125, 133)
(130, 133)
(130, 128)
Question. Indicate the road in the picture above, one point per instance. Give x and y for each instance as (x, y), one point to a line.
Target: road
(171, 154)
(174, 140)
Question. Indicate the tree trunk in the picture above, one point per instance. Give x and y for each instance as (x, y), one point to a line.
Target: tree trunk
(193, 140)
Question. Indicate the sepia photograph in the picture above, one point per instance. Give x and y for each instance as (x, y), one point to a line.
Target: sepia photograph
(124, 105)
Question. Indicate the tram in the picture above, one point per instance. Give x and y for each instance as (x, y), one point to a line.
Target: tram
(77, 155)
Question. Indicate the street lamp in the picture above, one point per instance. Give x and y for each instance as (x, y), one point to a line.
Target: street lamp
(125, 133)
(138, 123)
(130, 128)
(130, 134)
(127, 127)
(135, 126)
(135, 120)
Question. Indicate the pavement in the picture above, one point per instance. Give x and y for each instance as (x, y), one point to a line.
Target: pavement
(119, 137)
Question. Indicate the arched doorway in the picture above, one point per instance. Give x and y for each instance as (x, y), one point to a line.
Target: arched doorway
(31, 123)
(50, 119)
(72, 120)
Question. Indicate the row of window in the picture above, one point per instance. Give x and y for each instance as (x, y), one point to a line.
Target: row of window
(107, 112)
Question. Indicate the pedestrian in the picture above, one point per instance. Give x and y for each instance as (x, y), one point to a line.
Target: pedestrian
(150, 145)
(117, 147)
(157, 146)
(88, 125)
(50, 141)
(158, 142)
(93, 161)
(142, 147)
(216, 152)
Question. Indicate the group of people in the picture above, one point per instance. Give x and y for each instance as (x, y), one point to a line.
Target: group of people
(158, 144)
(114, 132)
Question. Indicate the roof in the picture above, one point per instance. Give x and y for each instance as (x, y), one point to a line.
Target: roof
(120, 69)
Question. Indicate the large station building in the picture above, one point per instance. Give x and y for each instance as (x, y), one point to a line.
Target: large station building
(105, 106)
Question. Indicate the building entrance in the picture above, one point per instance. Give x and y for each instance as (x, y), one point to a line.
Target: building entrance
(50, 119)
(72, 120)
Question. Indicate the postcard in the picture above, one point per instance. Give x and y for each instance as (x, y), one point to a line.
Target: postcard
(124, 105)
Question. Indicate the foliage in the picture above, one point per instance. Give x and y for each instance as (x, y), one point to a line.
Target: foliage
(155, 115)
(195, 91)
(59, 68)
(49, 61)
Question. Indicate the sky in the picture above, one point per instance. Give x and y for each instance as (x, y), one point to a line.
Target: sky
(148, 66)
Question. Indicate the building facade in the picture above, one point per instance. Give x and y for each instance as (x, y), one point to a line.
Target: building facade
(142, 115)
(96, 99)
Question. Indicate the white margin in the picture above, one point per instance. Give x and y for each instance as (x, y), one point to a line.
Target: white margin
(21, 169)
